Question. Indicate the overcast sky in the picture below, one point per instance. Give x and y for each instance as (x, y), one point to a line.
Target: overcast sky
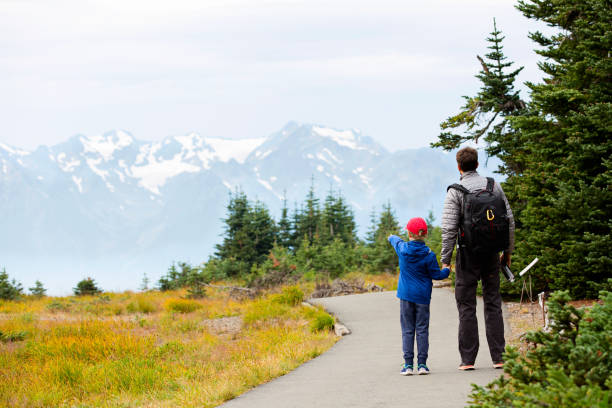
(243, 68)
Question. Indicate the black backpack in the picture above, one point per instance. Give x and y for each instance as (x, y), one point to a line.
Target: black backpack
(484, 224)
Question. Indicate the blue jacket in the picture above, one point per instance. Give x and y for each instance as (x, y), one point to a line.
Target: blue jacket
(418, 266)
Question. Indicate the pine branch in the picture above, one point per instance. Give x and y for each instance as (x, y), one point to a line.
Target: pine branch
(483, 130)
(484, 65)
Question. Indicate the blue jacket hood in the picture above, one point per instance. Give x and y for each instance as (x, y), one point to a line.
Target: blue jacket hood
(416, 251)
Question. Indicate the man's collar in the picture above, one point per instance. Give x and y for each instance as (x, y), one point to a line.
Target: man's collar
(468, 174)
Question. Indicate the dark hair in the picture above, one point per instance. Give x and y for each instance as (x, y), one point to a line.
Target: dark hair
(467, 159)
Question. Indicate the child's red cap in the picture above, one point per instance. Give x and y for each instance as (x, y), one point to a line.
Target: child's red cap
(417, 226)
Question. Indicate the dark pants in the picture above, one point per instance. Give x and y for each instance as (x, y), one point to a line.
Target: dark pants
(470, 269)
(414, 318)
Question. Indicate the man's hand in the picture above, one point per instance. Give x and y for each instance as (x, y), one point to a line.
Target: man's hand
(446, 266)
(505, 259)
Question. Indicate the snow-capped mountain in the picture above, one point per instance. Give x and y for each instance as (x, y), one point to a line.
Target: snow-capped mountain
(114, 207)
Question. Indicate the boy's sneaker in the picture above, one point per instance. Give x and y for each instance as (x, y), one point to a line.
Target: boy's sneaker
(466, 367)
(498, 364)
(407, 369)
(423, 370)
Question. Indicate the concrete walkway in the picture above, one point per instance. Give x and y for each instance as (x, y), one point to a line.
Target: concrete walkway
(362, 369)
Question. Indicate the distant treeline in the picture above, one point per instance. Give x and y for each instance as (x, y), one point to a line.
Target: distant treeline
(318, 238)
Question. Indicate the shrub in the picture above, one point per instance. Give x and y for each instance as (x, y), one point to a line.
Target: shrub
(141, 305)
(9, 290)
(291, 296)
(569, 366)
(58, 306)
(86, 287)
(12, 336)
(321, 321)
(182, 305)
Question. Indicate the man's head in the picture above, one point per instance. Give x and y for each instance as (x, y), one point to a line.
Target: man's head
(467, 159)
(417, 228)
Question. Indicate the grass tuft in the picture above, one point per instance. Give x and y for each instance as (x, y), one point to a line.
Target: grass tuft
(182, 305)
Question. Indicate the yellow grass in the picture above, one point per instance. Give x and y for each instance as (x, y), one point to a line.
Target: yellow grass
(128, 349)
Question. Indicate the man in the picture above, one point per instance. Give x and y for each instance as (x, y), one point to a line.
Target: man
(472, 266)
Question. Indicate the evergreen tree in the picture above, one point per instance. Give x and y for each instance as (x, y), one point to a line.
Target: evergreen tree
(86, 287)
(557, 150)
(236, 243)
(486, 114)
(38, 290)
(250, 233)
(431, 218)
(381, 256)
(310, 217)
(9, 290)
(262, 231)
(144, 286)
(296, 217)
(337, 220)
(371, 234)
(565, 186)
(284, 238)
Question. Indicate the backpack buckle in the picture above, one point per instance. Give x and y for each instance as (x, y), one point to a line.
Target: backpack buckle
(490, 215)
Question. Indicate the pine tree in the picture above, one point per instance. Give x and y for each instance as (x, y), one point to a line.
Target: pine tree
(371, 234)
(250, 233)
(565, 186)
(309, 216)
(38, 290)
(486, 114)
(337, 220)
(381, 256)
(284, 238)
(296, 217)
(9, 290)
(262, 232)
(144, 286)
(86, 287)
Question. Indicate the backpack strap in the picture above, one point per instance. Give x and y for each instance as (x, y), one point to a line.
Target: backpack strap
(458, 187)
(490, 184)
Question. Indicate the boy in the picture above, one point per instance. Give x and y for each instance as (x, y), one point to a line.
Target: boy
(418, 266)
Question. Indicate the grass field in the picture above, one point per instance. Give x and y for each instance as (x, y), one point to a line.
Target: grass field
(153, 349)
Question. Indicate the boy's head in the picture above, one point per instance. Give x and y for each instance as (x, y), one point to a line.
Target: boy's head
(467, 159)
(417, 228)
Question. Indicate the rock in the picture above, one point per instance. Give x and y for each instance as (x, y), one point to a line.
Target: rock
(341, 330)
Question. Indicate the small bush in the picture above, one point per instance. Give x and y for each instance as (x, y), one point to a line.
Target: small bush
(567, 367)
(321, 321)
(182, 305)
(58, 306)
(141, 305)
(13, 336)
(291, 296)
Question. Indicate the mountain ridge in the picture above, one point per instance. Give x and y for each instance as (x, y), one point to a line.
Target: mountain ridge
(94, 199)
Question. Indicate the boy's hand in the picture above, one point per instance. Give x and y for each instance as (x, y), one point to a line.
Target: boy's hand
(446, 266)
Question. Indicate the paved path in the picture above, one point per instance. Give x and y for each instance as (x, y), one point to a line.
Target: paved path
(362, 369)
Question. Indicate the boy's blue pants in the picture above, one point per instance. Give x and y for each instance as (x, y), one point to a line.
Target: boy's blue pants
(415, 320)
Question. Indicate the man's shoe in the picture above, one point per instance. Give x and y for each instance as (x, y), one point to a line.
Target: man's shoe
(498, 364)
(423, 370)
(466, 367)
(407, 369)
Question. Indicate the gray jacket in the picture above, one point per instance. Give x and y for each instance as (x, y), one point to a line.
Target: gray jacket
(452, 212)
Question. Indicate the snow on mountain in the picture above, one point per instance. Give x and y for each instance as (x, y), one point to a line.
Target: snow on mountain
(342, 137)
(105, 145)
